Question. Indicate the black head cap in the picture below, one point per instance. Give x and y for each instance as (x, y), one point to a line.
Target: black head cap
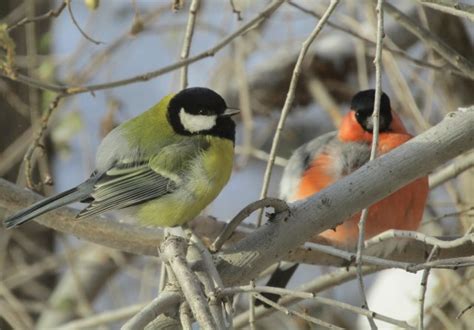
(363, 105)
(198, 101)
(201, 101)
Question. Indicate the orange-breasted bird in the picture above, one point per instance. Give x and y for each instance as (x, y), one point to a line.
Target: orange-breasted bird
(327, 158)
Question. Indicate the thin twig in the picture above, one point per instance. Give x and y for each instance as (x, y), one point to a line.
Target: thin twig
(461, 313)
(278, 205)
(235, 10)
(373, 151)
(34, 96)
(51, 13)
(319, 284)
(188, 36)
(289, 99)
(433, 41)
(71, 14)
(459, 165)
(455, 8)
(295, 313)
(262, 16)
(164, 302)
(423, 286)
(321, 95)
(395, 51)
(251, 308)
(419, 237)
(17, 307)
(244, 100)
(37, 140)
(318, 299)
(95, 321)
(260, 154)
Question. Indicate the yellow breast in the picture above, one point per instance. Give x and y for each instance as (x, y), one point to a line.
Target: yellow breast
(208, 174)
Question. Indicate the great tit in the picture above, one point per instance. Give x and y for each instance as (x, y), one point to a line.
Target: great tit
(162, 167)
(324, 160)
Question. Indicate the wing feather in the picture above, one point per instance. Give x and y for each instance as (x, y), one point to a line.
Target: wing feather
(134, 181)
(123, 187)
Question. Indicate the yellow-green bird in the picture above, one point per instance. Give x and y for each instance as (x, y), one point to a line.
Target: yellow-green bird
(162, 167)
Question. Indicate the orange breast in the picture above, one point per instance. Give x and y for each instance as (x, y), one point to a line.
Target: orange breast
(315, 178)
(401, 210)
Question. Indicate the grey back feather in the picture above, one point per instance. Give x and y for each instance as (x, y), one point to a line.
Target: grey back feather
(346, 158)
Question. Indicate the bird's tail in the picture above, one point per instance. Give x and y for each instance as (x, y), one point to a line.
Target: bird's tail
(279, 279)
(69, 196)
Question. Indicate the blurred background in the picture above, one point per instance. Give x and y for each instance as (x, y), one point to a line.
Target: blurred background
(48, 279)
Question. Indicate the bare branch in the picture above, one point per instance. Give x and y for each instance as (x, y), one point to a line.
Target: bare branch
(370, 183)
(51, 13)
(423, 285)
(103, 318)
(453, 135)
(448, 53)
(188, 36)
(373, 150)
(173, 250)
(71, 14)
(164, 302)
(278, 204)
(460, 165)
(262, 16)
(319, 284)
(318, 299)
(39, 135)
(451, 7)
(290, 97)
(287, 311)
(235, 10)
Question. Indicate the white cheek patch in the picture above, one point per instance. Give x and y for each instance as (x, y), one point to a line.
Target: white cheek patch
(196, 123)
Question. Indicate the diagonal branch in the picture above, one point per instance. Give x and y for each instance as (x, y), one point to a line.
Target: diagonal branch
(443, 49)
(372, 182)
(453, 136)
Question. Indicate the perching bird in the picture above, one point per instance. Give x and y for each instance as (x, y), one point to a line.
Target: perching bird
(324, 160)
(162, 167)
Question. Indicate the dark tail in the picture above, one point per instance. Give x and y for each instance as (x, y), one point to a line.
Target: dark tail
(279, 279)
(69, 196)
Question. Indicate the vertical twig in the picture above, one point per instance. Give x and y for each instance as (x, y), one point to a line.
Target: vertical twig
(252, 308)
(33, 94)
(423, 286)
(289, 99)
(74, 21)
(173, 250)
(373, 151)
(27, 159)
(236, 11)
(185, 316)
(244, 100)
(188, 36)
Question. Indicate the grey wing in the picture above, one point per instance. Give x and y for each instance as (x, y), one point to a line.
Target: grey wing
(299, 162)
(126, 185)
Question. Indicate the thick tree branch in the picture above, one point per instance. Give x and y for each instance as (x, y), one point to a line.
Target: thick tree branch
(372, 182)
(441, 143)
